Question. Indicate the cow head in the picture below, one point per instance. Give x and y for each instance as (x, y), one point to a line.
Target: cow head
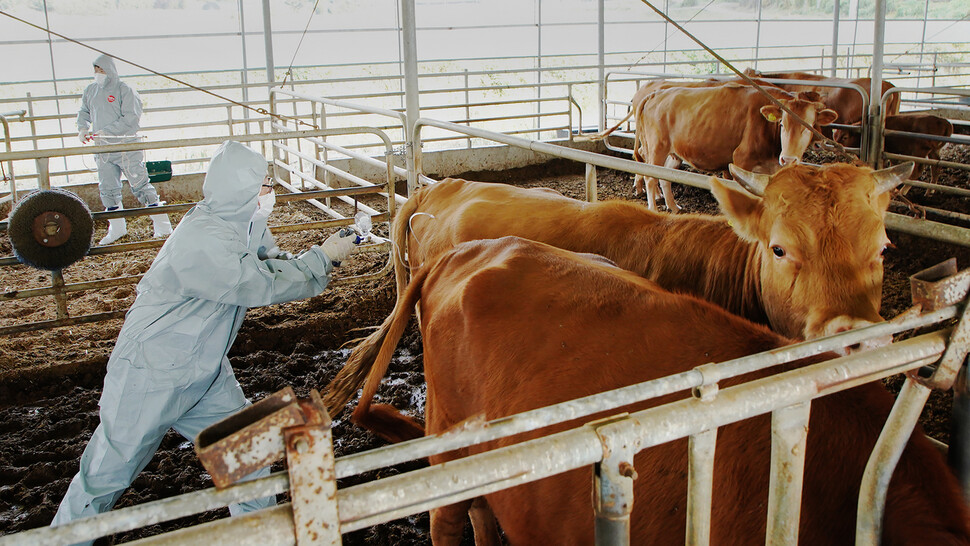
(847, 138)
(796, 137)
(819, 236)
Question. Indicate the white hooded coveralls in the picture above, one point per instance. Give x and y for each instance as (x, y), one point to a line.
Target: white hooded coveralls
(169, 367)
(114, 110)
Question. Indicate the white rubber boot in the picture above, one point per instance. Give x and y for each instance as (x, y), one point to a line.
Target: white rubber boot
(117, 228)
(162, 225)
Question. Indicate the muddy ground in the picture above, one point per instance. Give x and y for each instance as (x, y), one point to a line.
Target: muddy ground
(50, 381)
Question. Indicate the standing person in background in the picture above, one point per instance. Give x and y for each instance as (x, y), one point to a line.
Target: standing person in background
(169, 367)
(110, 113)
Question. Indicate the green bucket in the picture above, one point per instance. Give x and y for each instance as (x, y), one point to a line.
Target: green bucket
(159, 171)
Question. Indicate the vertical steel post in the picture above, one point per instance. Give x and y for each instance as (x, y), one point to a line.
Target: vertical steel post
(879, 470)
(613, 493)
(700, 486)
(666, 24)
(538, 124)
(6, 138)
(757, 36)
(601, 62)
(789, 437)
(468, 110)
(268, 44)
(57, 283)
(874, 144)
(313, 483)
(411, 88)
(835, 36)
(43, 173)
(591, 183)
(959, 453)
(245, 62)
(57, 100)
(922, 42)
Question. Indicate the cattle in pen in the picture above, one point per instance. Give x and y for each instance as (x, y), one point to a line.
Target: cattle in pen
(848, 103)
(927, 124)
(710, 128)
(779, 256)
(510, 325)
(653, 188)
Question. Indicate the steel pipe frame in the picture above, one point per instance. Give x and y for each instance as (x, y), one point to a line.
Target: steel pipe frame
(59, 289)
(247, 122)
(655, 75)
(7, 139)
(120, 520)
(398, 496)
(923, 228)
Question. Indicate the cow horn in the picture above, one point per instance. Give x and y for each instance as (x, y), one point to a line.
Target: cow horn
(755, 183)
(887, 179)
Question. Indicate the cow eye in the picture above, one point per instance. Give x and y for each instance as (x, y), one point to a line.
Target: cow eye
(778, 251)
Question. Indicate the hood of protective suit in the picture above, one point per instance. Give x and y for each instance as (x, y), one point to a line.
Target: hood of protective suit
(106, 63)
(231, 187)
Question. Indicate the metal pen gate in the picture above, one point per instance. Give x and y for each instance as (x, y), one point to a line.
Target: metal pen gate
(942, 293)
(786, 395)
(59, 290)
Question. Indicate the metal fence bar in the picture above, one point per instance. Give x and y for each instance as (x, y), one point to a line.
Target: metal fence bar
(700, 485)
(789, 438)
(798, 385)
(923, 228)
(889, 447)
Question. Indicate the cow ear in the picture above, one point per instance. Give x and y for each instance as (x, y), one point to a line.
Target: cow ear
(887, 179)
(810, 96)
(771, 113)
(742, 209)
(824, 117)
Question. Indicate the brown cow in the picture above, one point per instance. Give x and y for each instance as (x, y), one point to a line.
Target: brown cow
(710, 128)
(897, 144)
(511, 325)
(847, 102)
(783, 258)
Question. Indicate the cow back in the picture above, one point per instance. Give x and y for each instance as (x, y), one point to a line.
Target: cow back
(512, 325)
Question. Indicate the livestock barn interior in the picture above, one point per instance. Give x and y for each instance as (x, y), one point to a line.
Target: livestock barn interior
(357, 104)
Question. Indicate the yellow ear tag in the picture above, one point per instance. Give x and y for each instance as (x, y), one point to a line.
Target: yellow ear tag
(772, 118)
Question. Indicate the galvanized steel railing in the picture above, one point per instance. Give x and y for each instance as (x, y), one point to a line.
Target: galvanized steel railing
(59, 289)
(923, 228)
(787, 395)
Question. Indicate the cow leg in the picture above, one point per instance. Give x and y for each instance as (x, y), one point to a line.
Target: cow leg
(483, 523)
(658, 156)
(639, 154)
(672, 162)
(934, 170)
(448, 523)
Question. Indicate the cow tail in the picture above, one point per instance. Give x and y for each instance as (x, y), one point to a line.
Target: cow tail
(374, 359)
(608, 132)
(892, 105)
(368, 362)
(399, 241)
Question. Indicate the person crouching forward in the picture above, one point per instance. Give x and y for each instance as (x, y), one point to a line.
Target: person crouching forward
(169, 367)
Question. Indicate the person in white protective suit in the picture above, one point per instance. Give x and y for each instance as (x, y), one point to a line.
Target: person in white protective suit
(169, 367)
(110, 113)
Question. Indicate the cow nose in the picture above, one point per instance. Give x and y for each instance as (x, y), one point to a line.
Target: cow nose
(844, 323)
(788, 160)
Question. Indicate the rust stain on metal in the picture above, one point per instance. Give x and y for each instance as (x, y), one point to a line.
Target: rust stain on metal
(248, 440)
(940, 286)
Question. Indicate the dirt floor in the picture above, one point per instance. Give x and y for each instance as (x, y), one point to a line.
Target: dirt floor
(50, 381)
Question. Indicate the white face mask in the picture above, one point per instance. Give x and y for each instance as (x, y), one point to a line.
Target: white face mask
(100, 78)
(265, 207)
